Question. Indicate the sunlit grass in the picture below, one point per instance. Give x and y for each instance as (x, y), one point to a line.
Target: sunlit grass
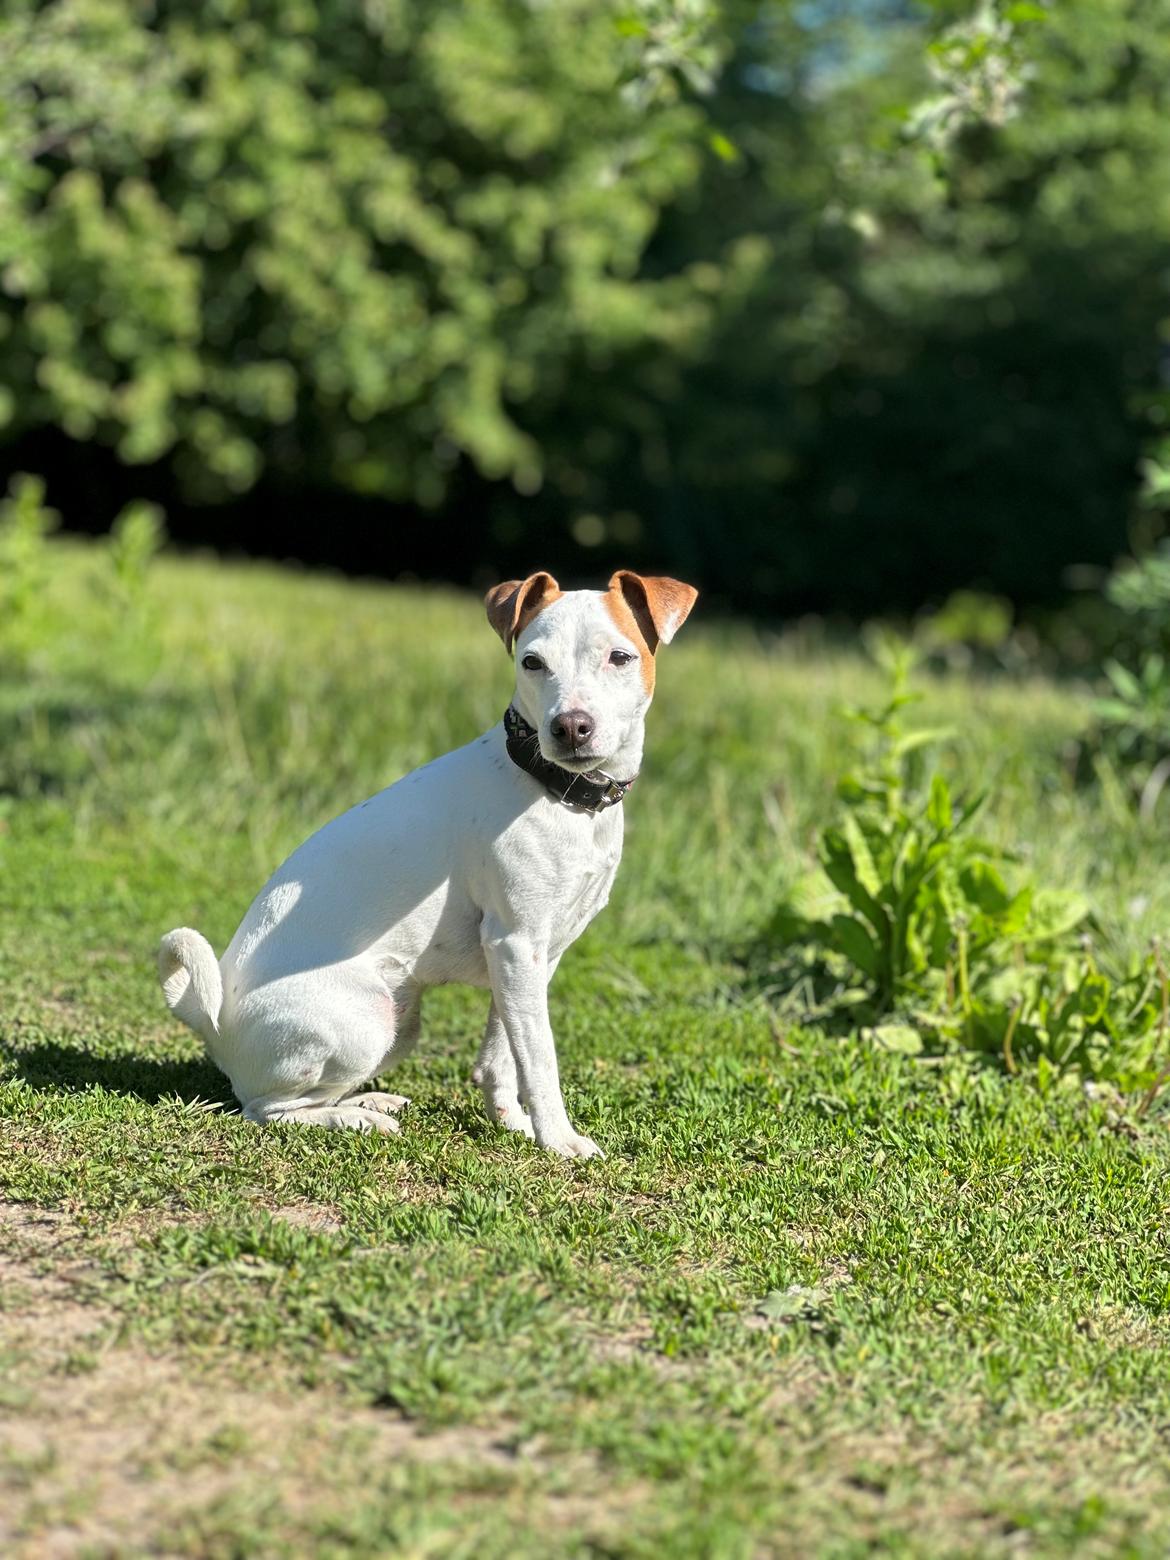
(818, 1299)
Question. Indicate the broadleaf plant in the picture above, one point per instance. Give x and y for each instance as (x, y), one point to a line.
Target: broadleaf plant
(938, 937)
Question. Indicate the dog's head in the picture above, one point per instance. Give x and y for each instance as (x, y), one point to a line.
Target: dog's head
(585, 659)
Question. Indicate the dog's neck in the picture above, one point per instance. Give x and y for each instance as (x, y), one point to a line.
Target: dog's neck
(592, 791)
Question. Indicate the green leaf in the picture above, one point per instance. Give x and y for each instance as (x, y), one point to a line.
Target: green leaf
(1113, 710)
(917, 739)
(938, 809)
(1124, 681)
(852, 789)
(902, 1038)
(724, 149)
(1093, 996)
(840, 869)
(1015, 917)
(982, 885)
(1054, 914)
(785, 1305)
(856, 942)
(863, 862)
(967, 810)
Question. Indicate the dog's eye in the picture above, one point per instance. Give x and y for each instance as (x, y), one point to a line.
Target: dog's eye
(621, 658)
(532, 663)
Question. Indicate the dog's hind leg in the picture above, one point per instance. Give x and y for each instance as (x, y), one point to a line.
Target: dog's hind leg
(304, 1047)
(406, 1005)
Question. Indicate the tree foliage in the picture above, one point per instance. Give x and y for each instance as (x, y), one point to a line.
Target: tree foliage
(941, 371)
(350, 239)
(829, 304)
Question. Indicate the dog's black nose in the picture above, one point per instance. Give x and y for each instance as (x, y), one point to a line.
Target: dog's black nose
(572, 727)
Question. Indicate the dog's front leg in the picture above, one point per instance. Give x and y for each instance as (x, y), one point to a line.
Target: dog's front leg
(495, 1073)
(518, 967)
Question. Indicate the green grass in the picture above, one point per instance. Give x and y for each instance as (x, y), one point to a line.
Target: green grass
(819, 1299)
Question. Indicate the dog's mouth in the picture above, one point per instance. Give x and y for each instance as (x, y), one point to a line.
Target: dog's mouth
(577, 761)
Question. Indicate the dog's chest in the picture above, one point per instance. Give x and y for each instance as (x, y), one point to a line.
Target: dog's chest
(583, 885)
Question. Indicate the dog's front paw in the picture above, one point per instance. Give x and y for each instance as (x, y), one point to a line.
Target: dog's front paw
(571, 1145)
(514, 1117)
(503, 1106)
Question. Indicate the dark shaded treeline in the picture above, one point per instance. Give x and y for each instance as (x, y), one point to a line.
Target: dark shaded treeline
(1002, 458)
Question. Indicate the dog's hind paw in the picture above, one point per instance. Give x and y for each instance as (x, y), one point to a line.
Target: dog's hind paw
(359, 1119)
(345, 1114)
(390, 1104)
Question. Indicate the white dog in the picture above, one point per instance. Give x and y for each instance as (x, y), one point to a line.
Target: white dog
(481, 867)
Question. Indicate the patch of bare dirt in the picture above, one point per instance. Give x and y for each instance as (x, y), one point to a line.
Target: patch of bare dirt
(107, 1449)
(41, 1310)
(311, 1217)
(1125, 1328)
(93, 1457)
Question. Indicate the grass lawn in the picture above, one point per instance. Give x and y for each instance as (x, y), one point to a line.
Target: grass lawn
(820, 1299)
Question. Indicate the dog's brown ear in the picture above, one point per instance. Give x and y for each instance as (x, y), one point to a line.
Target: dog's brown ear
(512, 605)
(660, 605)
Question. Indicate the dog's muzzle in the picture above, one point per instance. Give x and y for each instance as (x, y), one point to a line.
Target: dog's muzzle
(592, 791)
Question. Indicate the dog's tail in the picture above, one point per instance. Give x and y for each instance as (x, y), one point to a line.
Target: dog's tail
(191, 980)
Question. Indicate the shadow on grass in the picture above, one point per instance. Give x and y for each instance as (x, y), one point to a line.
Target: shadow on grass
(805, 990)
(801, 987)
(60, 1067)
(44, 728)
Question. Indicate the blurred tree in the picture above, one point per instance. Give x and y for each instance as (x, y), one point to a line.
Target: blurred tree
(937, 369)
(346, 239)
